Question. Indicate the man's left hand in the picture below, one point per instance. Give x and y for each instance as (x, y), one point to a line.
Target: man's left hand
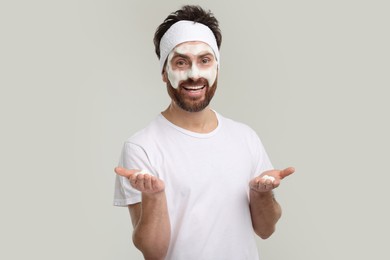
(269, 180)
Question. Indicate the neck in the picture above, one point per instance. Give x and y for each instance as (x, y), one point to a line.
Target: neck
(203, 121)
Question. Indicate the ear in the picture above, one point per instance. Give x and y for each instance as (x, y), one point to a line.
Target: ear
(164, 76)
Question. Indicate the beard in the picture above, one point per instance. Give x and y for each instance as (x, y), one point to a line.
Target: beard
(192, 104)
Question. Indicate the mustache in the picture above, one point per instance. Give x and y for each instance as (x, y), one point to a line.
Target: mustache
(191, 82)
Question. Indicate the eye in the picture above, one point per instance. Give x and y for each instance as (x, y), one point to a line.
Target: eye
(205, 60)
(180, 63)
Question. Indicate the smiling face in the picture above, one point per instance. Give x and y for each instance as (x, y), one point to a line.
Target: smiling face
(191, 75)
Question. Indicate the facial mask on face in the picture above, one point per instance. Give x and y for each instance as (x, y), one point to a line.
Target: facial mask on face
(186, 31)
(194, 71)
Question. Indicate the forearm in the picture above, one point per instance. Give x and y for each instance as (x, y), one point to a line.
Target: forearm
(265, 212)
(152, 232)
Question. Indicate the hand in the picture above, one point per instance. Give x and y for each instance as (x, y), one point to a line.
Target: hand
(143, 182)
(262, 183)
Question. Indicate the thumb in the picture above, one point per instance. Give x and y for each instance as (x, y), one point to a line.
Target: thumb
(286, 172)
(125, 172)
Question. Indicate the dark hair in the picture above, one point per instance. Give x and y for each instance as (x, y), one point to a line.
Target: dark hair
(190, 13)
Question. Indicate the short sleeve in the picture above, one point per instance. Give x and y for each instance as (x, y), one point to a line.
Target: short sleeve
(262, 160)
(132, 157)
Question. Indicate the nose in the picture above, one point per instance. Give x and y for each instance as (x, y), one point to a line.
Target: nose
(193, 73)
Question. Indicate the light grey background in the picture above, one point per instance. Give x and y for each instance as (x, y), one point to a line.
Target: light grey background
(79, 77)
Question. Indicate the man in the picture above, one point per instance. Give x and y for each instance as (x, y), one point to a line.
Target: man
(196, 183)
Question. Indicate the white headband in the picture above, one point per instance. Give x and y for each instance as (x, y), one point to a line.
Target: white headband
(186, 31)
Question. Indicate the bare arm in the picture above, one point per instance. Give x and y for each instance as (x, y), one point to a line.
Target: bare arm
(150, 218)
(265, 210)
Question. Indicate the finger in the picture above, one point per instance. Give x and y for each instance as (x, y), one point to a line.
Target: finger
(134, 180)
(286, 172)
(266, 187)
(148, 182)
(261, 184)
(156, 184)
(254, 183)
(125, 172)
(276, 183)
(140, 181)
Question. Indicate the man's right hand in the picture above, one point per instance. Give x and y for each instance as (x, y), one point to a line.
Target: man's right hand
(143, 182)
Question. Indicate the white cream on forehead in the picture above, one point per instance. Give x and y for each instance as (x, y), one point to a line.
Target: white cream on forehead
(176, 76)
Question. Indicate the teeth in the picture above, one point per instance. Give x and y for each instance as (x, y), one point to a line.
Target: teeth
(194, 88)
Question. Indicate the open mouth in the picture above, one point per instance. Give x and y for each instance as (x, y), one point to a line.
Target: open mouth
(194, 88)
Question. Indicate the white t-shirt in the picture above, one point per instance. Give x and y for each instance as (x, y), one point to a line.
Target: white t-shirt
(206, 180)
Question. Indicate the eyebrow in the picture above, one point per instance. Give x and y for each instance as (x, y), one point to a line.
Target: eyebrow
(180, 55)
(187, 57)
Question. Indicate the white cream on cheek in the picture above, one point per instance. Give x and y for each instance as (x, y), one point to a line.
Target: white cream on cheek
(194, 71)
